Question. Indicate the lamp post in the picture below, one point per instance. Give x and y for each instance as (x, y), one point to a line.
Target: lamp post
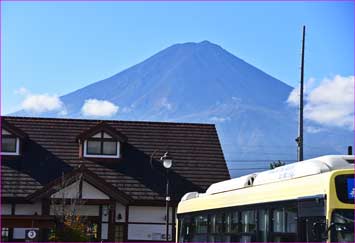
(167, 163)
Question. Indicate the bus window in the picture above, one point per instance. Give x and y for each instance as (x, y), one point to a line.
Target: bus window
(217, 229)
(345, 188)
(284, 220)
(263, 220)
(200, 224)
(216, 223)
(284, 224)
(248, 224)
(200, 227)
(342, 226)
(248, 221)
(232, 222)
(185, 229)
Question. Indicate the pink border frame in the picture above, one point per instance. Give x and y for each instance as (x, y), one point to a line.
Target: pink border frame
(139, 1)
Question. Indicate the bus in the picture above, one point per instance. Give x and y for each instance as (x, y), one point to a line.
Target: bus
(307, 201)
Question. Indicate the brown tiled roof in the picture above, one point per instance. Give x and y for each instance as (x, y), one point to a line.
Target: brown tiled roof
(52, 148)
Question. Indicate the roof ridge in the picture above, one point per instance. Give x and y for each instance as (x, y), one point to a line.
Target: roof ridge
(107, 120)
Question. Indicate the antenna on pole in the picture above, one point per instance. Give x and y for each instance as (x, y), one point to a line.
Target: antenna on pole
(299, 139)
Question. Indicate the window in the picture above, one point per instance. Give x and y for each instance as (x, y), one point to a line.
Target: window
(200, 228)
(285, 220)
(248, 221)
(201, 223)
(102, 145)
(263, 221)
(119, 233)
(216, 223)
(232, 222)
(5, 234)
(10, 144)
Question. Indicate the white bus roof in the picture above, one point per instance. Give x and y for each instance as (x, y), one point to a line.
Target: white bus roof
(305, 168)
(287, 172)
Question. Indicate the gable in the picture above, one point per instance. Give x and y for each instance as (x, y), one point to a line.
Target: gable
(102, 127)
(91, 192)
(72, 191)
(10, 128)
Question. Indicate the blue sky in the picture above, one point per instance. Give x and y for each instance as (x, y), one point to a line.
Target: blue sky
(58, 47)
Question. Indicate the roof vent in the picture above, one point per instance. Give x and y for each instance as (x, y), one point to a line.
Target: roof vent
(189, 195)
(232, 184)
(304, 168)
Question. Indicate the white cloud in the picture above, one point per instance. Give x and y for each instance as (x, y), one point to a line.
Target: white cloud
(311, 129)
(219, 119)
(39, 103)
(293, 98)
(165, 104)
(94, 107)
(127, 109)
(22, 91)
(331, 103)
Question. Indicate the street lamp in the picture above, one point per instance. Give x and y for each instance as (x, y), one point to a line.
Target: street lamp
(167, 163)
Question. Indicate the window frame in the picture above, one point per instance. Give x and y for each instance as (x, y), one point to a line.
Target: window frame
(102, 139)
(17, 145)
(237, 236)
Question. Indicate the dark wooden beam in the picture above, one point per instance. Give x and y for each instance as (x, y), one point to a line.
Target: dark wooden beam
(27, 221)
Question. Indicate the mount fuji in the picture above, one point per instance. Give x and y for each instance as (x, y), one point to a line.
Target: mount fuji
(202, 82)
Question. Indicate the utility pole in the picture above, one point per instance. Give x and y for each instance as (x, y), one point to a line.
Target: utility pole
(350, 150)
(299, 139)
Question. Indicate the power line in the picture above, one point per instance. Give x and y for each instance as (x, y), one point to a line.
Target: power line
(265, 168)
(258, 160)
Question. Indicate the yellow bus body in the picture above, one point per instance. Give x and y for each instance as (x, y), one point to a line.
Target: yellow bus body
(321, 184)
(293, 189)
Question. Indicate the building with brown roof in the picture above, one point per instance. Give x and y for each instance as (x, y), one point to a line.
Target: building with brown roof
(110, 169)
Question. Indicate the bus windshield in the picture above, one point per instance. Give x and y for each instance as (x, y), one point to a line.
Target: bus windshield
(342, 229)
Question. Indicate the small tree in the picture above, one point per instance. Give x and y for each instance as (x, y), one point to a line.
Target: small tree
(70, 226)
(276, 164)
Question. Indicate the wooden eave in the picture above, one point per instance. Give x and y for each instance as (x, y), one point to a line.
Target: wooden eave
(12, 129)
(88, 176)
(102, 126)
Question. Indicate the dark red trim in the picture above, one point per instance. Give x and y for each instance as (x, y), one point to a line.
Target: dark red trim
(18, 200)
(24, 221)
(100, 222)
(149, 223)
(126, 224)
(112, 221)
(153, 203)
(13, 208)
(89, 177)
(102, 127)
(12, 129)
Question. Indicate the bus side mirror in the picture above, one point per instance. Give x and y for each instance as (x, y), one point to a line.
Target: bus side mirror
(319, 229)
(342, 227)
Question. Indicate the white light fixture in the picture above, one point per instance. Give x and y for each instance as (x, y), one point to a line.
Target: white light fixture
(167, 161)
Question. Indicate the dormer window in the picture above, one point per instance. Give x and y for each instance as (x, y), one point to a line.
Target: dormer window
(10, 144)
(102, 145)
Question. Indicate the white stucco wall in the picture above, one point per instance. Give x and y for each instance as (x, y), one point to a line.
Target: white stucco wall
(84, 210)
(90, 192)
(104, 231)
(120, 209)
(5, 209)
(147, 232)
(71, 191)
(28, 209)
(148, 214)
